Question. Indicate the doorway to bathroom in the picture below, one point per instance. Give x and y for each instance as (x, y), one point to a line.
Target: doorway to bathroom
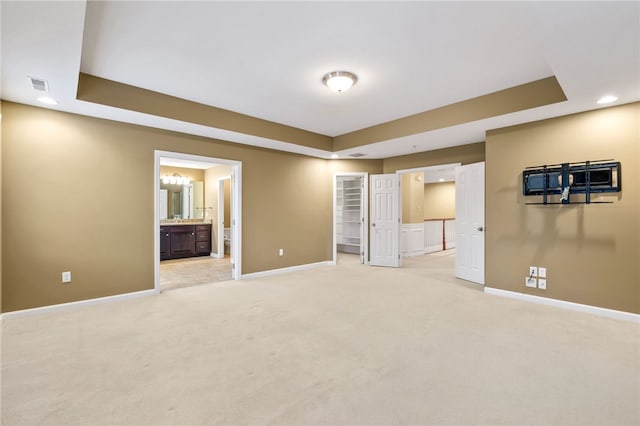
(190, 225)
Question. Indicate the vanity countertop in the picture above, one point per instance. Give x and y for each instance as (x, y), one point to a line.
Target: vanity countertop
(183, 223)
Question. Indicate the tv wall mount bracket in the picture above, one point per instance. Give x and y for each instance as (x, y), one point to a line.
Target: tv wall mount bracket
(587, 177)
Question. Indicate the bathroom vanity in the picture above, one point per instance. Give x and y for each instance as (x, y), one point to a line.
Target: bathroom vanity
(181, 240)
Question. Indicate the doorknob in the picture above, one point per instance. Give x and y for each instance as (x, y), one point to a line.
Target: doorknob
(480, 228)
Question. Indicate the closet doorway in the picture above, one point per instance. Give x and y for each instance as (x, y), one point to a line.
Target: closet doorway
(350, 214)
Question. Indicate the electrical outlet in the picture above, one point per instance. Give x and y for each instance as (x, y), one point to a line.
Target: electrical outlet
(66, 277)
(533, 271)
(530, 282)
(281, 252)
(542, 272)
(542, 284)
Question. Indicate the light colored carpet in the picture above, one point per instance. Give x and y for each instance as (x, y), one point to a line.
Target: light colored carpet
(343, 345)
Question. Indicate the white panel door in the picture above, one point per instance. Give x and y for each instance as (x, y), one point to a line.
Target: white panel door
(470, 222)
(385, 220)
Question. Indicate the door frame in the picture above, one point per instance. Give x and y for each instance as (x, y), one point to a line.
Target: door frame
(364, 243)
(424, 169)
(236, 209)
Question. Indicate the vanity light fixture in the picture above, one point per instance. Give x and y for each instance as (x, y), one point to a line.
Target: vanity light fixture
(175, 179)
(607, 99)
(339, 81)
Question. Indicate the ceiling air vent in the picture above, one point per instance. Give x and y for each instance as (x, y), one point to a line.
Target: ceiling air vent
(39, 84)
(357, 154)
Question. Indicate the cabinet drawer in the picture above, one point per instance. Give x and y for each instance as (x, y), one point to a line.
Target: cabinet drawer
(206, 228)
(203, 236)
(202, 247)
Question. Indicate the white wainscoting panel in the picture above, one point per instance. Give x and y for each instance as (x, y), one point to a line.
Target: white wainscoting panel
(432, 236)
(411, 239)
(450, 233)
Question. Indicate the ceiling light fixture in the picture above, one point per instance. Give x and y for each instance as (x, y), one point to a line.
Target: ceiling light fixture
(334, 156)
(339, 81)
(607, 99)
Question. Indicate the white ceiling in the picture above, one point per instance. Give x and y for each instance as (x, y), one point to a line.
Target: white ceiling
(267, 59)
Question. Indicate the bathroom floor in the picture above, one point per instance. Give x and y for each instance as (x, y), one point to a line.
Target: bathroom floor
(192, 271)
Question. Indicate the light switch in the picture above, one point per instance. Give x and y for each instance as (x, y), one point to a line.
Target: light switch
(542, 284)
(542, 272)
(66, 277)
(533, 271)
(530, 282)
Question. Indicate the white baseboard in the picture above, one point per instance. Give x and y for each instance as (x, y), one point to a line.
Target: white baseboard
(216, 255)
(285, 270)
(69, 305)
(605, 312)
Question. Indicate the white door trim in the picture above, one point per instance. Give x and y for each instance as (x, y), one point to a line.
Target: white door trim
(236, 210)
(364, 242)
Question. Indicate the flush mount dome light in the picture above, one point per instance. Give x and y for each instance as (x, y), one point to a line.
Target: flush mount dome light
(339, 81)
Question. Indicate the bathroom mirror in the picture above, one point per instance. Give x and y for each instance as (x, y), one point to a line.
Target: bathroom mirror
(184, 201)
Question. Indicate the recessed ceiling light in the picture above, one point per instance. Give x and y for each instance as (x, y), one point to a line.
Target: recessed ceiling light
(441, 180)
(334, 156)
(339, 81)
(47, 100)
(607, 99)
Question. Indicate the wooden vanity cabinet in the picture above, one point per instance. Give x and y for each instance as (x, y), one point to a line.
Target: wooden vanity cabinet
(203, 239)
(178, 241)
(183, 239)
(165, 242)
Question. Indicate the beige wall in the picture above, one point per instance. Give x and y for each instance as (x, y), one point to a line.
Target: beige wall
(56, 157)
(193, 174)
(227, 203)
(465, 154)
(591, 252)
(1, 180)
(440, 200)
(412, 198)
(211, 177)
